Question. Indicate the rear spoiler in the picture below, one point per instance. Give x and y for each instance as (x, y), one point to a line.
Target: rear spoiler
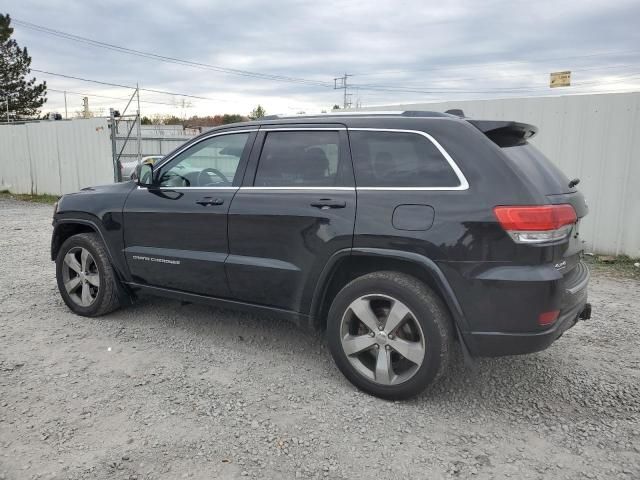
(505, 134)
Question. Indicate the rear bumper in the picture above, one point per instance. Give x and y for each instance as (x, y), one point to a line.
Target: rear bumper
(502, 308)
(496, 344)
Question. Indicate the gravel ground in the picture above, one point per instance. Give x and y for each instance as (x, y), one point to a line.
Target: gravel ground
(162, 390)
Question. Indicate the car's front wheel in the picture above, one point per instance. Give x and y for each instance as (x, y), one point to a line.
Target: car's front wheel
(86, 280)
(389, 334)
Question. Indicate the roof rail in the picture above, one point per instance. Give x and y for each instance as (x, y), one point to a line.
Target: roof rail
(425, 113)
(405, 113)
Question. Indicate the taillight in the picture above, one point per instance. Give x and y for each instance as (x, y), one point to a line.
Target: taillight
(548, 318)
(536, 224)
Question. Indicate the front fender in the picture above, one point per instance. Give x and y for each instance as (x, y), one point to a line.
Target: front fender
(109, 230)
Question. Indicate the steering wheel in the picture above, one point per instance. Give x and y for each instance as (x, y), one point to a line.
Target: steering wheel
(215, 172)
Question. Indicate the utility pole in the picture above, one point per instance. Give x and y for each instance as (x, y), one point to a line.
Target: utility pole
(341, 83)
(66, 116)
(7, 100)
(85, 104)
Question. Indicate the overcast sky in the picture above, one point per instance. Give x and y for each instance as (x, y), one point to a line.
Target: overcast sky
(439, 49)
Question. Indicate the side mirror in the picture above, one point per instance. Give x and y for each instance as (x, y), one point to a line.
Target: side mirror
(144, 175)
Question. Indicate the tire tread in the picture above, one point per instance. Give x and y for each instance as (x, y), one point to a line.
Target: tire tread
(109, 300)
(427, 299)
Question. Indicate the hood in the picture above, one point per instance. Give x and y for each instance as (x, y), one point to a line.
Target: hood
(96, 199)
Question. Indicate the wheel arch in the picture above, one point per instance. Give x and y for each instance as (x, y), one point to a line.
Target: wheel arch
(65, 228)
(347, 265)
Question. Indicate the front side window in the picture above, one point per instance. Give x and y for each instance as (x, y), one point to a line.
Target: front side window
(209, 163)
(399, 159)
(300, 159)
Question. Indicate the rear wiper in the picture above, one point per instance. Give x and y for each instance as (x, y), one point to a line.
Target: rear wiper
(574, 182)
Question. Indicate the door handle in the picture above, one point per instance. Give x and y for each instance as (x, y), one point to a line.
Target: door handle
(325, 203)
(210, 201)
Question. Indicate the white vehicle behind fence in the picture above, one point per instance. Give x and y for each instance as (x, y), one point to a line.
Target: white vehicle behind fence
(128, 167)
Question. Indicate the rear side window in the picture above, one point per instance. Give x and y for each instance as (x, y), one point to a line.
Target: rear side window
(399, 159)
(300, 159)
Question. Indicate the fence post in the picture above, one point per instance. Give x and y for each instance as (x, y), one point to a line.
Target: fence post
(117, 174)
(139, 126)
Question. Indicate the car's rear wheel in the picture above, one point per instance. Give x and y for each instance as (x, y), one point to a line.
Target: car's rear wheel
(86, 280)
(389, 334)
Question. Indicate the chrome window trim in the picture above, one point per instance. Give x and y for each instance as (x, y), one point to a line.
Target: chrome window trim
(206, 137)
(303, 129)
(298, 129)
(464, 184)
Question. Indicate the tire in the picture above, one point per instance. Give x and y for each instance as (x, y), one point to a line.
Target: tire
(407, 317)
(97, 276)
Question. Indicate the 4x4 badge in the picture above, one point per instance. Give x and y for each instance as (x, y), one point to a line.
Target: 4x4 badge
(560, 265)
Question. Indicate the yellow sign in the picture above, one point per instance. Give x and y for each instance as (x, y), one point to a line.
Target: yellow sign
(560, 79)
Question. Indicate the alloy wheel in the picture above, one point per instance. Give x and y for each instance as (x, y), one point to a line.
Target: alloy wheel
(80, 276)
(382, 339)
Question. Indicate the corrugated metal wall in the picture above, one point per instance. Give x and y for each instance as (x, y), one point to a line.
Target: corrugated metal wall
(593, 137)
(55, 157)
(64, 156)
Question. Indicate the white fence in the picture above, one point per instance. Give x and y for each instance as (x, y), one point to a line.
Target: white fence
(58, 157)
(593, 137)
(55, 157)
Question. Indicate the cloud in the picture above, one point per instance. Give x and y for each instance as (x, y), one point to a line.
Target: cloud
(440, 50)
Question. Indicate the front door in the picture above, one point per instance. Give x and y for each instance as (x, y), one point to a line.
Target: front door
(176, 232)
(296, 208)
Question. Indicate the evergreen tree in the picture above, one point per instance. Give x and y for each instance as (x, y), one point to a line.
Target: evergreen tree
(257, 113)
(25, 96)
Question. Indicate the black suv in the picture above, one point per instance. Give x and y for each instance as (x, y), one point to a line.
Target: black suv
(397, 233)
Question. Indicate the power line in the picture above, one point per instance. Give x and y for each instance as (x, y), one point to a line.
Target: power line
(164, 92)
(370, 87)
(164, 58)
(247, 73)
(494, 64)
(106, 96)
(523, 89)
(516, 75)
(573, 90)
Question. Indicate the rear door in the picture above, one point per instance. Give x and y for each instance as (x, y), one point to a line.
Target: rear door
(296, 208)
(175, 234)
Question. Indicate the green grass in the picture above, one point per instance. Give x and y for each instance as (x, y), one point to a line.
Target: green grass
(621, 265)
(43, 198)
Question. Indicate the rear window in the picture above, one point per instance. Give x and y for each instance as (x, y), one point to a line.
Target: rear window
(399, 159)
(538, 169)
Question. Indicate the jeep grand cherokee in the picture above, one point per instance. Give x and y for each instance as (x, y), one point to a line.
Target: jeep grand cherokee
(396, 233)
